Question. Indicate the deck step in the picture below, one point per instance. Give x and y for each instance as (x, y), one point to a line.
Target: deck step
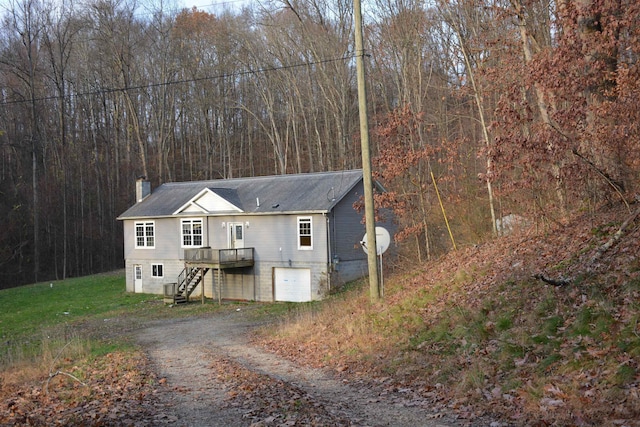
(179, 299)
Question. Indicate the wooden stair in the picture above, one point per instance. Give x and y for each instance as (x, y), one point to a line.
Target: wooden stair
(188, 281)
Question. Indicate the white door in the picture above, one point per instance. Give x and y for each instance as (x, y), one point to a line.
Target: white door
(292, 284)
(236, 235)
(137, 278)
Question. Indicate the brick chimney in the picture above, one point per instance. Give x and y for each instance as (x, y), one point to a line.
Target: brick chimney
(143, 188)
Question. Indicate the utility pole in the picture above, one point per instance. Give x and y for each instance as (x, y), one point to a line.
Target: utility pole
(369, 210)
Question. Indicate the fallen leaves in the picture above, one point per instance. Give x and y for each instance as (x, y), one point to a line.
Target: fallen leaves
(268, 401)
(498, 342)
(119, 392)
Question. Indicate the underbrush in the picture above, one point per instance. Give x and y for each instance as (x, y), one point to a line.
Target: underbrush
(529, 329)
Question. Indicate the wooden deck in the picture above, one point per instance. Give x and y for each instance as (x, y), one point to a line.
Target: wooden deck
(220, 259)
(197, 263)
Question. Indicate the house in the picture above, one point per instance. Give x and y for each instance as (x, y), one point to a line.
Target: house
(271, 238)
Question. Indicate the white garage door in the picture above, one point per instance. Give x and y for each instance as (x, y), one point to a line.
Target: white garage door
(292, 284)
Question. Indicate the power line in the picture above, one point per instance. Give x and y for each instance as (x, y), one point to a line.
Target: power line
(176, 82)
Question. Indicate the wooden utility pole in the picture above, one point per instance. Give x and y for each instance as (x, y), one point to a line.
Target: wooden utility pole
(372, 258)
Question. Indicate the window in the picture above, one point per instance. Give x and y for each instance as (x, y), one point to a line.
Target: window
(304, 233)
(145, 234)
(192, 233)
(157, 270)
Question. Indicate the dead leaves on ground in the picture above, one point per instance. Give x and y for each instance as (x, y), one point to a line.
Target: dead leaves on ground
(491, 339)
(268, 401)
(119, 391)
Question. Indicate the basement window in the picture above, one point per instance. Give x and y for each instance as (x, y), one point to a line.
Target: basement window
(157, 270)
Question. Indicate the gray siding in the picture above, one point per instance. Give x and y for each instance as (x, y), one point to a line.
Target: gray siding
(346, 233)
(152, 285)
(347, 271)
(273, 237)
(167, 240)
(347, 228)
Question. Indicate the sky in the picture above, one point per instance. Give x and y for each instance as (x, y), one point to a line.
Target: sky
(209, 5)
(206, 5)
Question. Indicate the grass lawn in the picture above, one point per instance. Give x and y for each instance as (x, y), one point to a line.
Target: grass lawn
(36, 321)
(35, 316)
(29, 309)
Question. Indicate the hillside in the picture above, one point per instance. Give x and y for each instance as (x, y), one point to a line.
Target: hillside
(536, 328)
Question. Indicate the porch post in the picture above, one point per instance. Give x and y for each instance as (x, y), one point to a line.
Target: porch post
(219, 286)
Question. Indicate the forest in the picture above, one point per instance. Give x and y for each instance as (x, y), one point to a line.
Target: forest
(479, 110)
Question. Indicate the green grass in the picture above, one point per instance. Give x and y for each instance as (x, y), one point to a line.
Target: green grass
(29, 309)
(94, 313)
(39, 320)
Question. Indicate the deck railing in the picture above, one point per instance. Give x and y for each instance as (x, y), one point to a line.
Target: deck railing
(218, 256)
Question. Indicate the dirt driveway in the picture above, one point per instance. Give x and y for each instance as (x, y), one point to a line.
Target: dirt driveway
(214, 376)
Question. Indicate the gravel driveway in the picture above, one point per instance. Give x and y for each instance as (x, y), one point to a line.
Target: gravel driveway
(214, 376)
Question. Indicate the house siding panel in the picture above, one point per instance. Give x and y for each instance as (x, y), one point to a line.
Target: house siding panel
(348, 229)
(152, 285)
(167, 241)
(275, 239)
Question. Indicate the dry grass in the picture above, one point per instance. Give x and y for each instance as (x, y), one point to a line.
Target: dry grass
(477, 327)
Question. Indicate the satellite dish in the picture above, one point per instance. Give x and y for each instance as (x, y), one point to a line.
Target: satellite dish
(382, 241)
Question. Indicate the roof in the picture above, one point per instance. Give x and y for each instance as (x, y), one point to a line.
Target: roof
(296, 193)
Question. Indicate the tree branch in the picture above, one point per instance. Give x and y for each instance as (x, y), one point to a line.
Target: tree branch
(618, 234)
(59, 372)
(615, 185)
(51, 376)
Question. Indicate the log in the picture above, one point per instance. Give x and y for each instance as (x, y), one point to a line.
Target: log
(618, 234)
(558, 283)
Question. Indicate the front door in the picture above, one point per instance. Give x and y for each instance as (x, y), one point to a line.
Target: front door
(236, 235)
(137, 278)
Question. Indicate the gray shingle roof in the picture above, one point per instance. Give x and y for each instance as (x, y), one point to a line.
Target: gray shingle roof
(313, 192)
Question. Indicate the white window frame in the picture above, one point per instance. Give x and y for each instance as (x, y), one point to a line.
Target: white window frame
(191, 222)
(145, 234)
(305, 220)
(155, 268)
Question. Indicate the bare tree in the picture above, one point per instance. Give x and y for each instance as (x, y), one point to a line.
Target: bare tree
(23, 59)
(464, 19)
(63, 28)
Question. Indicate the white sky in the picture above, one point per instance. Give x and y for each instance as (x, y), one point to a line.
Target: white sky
(212, 5)
(206, 5)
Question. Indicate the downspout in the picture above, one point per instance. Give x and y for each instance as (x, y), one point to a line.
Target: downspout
(208, 218)
(212, 279)
(329, 257)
